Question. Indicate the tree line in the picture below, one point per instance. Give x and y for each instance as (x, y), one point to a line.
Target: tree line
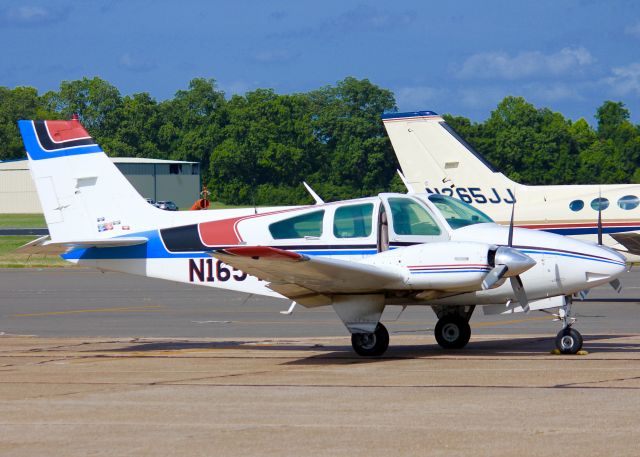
(257, 148)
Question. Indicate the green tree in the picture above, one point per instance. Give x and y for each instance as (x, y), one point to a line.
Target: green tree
(192, 123)
(357, 157)
(16, 104)
(137, 132)
(610, 116)
(268, 144)
(96, 102)
(530, 145)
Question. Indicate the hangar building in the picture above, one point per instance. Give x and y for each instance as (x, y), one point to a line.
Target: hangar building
(173, 180)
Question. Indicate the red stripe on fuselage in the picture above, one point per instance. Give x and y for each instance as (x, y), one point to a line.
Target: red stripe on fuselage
(225, 232)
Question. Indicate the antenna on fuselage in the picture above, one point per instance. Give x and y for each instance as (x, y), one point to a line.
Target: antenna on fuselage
(315, 196)
(405, 182)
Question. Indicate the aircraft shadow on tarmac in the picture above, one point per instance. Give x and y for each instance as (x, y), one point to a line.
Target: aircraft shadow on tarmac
(327, 354)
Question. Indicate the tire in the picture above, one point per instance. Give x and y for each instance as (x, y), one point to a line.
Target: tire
(371, 344)
(569, 341)
(452, 332)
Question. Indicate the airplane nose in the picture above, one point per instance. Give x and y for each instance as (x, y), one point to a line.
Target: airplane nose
(611, 264)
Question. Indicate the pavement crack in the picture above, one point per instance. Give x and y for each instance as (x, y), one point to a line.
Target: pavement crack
(202, 378)
(596, 383)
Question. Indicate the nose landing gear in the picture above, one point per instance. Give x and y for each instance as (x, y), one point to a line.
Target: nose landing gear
(568, 340)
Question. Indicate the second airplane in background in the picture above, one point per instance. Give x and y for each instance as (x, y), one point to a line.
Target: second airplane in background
(435, 159)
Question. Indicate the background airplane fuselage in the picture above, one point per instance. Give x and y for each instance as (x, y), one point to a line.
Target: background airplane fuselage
(434, 158)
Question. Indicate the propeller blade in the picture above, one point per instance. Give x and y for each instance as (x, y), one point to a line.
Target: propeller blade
(616, 285)
(521, 295)
(494, 276)
(510, 242)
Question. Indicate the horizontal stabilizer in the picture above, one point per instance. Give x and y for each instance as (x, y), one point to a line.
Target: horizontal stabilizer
(44, 245)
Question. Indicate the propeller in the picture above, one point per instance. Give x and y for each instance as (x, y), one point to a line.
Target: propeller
(509, 263)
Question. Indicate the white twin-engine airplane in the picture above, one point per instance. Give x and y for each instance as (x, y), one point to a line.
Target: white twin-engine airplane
(433, 157)
(357, 256)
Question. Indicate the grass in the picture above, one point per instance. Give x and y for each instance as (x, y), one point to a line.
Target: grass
(10, 259)
(22, 221)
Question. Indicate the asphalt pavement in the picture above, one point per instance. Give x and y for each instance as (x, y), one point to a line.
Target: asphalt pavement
(83, 302)
(106, 364)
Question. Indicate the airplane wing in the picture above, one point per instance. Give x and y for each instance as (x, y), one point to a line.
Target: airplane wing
(629, 240)
(44, 245)
(307, 280)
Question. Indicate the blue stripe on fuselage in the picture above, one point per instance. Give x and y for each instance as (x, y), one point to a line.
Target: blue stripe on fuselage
(586, 230)
(154, 249)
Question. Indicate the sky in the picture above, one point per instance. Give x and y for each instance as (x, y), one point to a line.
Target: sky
(457, 57)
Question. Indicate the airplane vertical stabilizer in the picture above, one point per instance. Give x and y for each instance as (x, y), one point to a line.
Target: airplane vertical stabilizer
(82, 193)
(432, 154)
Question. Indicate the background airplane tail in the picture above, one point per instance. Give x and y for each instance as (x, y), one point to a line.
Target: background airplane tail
(433, 155)
(82, 193)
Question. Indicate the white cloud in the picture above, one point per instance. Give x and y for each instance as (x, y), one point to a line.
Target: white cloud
(481, 97)
(27, 15)
(500, 65)
(633, 30)
(625, 80)
(275, 56)
(554, 92)
(136, 64)
(416, 97)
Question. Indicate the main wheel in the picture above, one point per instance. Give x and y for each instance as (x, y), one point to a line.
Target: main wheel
(452, 332)
(371, 344)
(569, 341)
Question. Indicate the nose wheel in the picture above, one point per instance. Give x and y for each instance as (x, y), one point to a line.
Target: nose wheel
(452, 332)
(569, 341)
(371, 344)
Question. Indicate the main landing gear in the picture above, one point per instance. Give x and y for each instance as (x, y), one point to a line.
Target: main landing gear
(371, 344)
(568, 340)
(452, 332)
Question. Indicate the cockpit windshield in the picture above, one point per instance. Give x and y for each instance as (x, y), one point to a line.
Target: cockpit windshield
(458, 213)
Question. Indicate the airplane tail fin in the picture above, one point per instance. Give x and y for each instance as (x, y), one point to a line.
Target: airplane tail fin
(83, 194)
(433, 155)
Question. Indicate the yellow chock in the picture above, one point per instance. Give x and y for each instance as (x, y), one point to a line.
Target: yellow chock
(582, 352)
(555, 352)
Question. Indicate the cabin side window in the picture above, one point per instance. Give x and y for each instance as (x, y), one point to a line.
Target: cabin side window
(353, 221)
(600, 203)
(576, 205)
(309, 224)
(628, 202)
(411, 218)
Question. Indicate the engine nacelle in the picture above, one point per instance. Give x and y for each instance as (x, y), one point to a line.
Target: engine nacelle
(455, 266)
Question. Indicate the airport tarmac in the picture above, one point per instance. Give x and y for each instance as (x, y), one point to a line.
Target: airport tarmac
(118, 365)
(83, 302)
